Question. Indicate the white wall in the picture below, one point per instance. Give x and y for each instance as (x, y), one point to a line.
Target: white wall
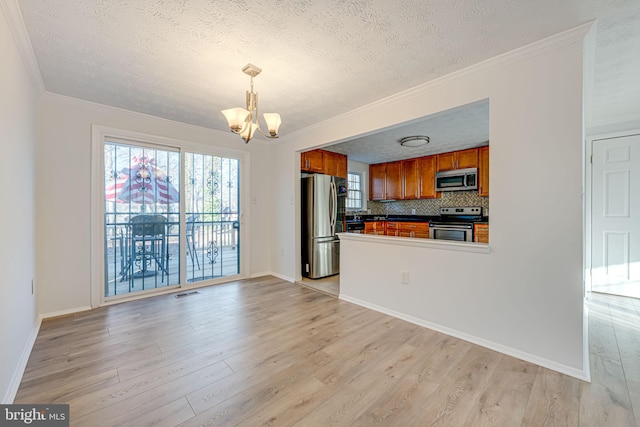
(526, 296)
(64, 192)
(17, 248)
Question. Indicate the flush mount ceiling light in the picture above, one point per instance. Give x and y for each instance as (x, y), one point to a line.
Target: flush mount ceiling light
(243, 121)
(414, 141)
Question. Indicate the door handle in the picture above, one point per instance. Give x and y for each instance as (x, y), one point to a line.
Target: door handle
(333, 206)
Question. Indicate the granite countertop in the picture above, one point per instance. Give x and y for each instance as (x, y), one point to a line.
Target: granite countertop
(406, 218)
(412, 218)
(399, 218)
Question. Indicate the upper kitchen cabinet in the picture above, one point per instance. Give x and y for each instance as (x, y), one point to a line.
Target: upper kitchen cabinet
(410, 179)
(312, 161)
(427, 177)
(377, 177)
(458, 160)
(385, 181)
(403, 180)
(483, 171)
(335, 164)
(326, 162)
(393, 181)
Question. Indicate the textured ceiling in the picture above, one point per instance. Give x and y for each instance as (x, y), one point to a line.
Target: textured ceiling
(182, 60)
(616, 69)
(456, 129)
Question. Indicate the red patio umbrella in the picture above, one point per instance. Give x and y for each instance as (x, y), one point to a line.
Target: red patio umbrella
(143, 182)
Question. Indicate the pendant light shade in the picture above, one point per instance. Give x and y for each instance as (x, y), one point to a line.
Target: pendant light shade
(248, 131)
(236, 117)
(273, 121)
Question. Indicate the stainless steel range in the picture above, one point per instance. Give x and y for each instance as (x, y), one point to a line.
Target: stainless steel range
(455, 224)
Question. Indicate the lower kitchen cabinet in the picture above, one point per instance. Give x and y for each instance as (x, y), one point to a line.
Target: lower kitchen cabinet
(419, 230)
(374, 227)
(391, 228)
(481, 233)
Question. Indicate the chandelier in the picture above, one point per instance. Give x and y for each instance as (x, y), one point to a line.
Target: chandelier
(244, 121)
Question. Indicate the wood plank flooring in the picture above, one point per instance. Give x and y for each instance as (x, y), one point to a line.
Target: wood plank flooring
(268, 352)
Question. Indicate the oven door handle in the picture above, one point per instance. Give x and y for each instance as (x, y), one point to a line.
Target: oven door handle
(452, 227)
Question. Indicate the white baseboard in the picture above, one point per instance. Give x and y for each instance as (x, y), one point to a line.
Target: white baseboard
(545, 363)
(262, 274)
(14, 385)
(65, 312)
(283, 277)
(12, 390)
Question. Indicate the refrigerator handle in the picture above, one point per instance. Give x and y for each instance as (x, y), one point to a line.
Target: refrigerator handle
(333, 207)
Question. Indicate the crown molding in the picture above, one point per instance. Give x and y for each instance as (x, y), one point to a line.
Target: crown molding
(13, 15)
(557, 41)
(70, 100)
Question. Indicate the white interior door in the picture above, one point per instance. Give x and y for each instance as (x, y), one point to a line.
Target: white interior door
(615, 216)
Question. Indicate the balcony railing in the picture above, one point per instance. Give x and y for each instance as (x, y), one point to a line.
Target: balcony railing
(151, 259)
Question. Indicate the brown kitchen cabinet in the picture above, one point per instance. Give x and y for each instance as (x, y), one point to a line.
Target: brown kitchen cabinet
(415, 178)
(483, 171)
(391, 228)
(385, 181)
(481, 233)
(427, 177)
(374, 227)
(326, 162)
(343, 166)
(312, 161)
(410, 179)
(419, 230)
(377, 176)
(335, 164)
(393, 181)
(457, 160)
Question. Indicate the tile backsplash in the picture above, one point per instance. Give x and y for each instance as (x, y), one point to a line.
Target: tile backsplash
(429, 206)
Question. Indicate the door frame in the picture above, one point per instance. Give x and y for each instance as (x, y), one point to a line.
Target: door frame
(588, 250)
(98, 135)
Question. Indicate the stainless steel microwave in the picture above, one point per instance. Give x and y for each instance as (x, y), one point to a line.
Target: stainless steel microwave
(457, 180)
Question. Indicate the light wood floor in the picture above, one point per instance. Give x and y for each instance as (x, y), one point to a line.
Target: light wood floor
(267, 352)
(329, 285)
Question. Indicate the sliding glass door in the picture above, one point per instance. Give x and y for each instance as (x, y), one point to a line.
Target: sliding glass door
(161, 231)
(212, 208)
(141, 217)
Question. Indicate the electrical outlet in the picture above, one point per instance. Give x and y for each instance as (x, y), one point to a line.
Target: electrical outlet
(413, 211)
(404, 277)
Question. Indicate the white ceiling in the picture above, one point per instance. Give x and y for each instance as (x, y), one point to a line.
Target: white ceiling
(182, 60)
(456, 129)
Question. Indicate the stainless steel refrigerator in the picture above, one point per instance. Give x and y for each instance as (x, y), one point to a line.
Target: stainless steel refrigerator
(323, 210)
